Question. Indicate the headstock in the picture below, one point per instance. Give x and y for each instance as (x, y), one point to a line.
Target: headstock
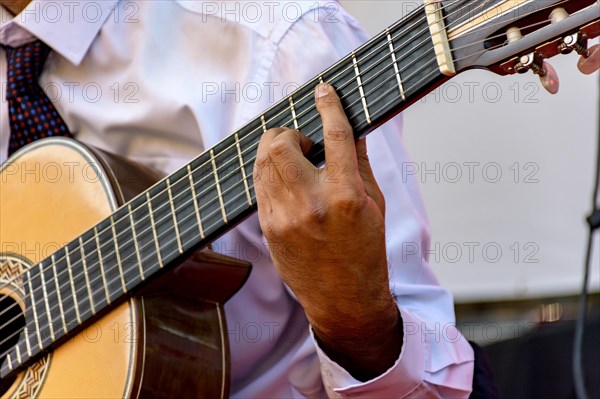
(516, 36)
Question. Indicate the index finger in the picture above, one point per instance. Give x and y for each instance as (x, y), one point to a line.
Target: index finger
(340, 148)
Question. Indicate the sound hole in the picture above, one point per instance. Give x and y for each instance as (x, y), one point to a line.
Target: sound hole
(12, 321)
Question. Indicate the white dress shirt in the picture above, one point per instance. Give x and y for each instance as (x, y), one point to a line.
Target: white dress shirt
(161, 81)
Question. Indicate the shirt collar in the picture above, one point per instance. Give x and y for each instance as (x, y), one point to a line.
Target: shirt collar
(68, 27)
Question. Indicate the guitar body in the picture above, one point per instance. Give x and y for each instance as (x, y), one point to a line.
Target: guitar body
(168, 340)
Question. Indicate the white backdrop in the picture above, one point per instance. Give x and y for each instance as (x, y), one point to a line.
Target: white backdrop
(506, 172)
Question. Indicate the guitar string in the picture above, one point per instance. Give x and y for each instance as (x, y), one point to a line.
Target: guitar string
(88, 312)
(290, 121)
(234, 160)
(230, 147)
(284, 110)
(303, 98)
(382, 96)
(199, 182)
(136, 278)
(356, 101)
(52, 320)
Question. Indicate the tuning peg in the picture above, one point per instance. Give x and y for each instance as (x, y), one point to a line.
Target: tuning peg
(548, 77)
(536, 64)
(572, 42)
(589, 62)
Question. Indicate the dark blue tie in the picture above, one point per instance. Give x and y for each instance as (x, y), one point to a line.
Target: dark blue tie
(32, 115)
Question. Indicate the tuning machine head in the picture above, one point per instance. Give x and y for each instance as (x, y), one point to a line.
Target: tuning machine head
(535, 63)
(589, 62)
(548, 77)
(574, 42)
(534, 60)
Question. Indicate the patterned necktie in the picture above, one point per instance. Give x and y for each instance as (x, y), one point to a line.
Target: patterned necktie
(32, 114)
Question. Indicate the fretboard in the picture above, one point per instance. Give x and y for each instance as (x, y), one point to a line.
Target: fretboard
(214, 192)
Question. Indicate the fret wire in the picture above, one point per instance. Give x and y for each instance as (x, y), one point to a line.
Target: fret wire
(72, 285)
(218, 185)
(264, 123)
(27, 343)
(360, 88)
(376, 100)
(174, 216)
(101, 263)
(158, 254)
(35, 317)
(293, 113)
(395, 62)
(117, 254)
(85, 275)
(18, 352)
(243, 169)
(57, 285)
(8, 359)
(387, 92)
(45, 294)
(135, 242)
(196, 209)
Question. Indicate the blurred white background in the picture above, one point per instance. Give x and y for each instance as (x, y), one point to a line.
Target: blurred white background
(506, 172)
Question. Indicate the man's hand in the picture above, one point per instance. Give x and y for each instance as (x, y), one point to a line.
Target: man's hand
(326, 233)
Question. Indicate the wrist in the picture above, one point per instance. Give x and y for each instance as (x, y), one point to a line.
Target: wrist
(367, 349)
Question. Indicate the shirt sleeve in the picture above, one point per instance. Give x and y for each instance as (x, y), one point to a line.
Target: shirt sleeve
(436, 360)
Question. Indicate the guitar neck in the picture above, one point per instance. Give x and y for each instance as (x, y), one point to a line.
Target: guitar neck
(193, 206)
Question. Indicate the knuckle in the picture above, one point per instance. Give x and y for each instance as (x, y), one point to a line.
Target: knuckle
(273, 132)
(284, 229)
(268, 229)
(346, 203)
(379, 198)
(337, 132)
(262, 159)
(279, 147)
(316, 213)
(261, 166)
(311, 214)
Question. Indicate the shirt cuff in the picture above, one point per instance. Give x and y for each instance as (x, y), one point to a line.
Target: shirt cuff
(402, 378)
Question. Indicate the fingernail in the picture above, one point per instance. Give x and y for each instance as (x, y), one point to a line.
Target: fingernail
(322, 90)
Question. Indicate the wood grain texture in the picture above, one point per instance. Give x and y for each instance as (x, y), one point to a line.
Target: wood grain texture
(167, 341)
(49, 195)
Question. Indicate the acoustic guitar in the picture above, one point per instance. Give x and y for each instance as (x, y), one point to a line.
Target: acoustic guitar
(128, 307)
